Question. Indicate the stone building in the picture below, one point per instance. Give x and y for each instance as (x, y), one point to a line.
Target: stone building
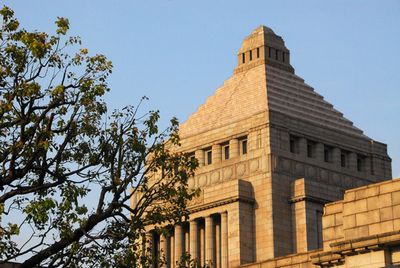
(272, 153)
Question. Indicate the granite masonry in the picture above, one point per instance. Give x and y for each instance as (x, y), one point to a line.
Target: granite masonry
(278, 168)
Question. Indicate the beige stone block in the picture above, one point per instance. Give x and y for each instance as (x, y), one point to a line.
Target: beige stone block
(374, 216)
(385, 200)
(386, 214)
(349, 196)
(362, 231)
(373, 202)
(333, 208)
(371, 191)
(349, 221)
(396, 198)
(396, 212)
(328, 221)
(374, 229)
(362, 219)
(338, 219)
(390, 187)
(396, 225)
(360, 206)
(329, 233)
(350, 233)
(387, 226)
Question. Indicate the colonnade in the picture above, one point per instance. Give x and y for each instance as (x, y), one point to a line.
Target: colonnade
(202, 240)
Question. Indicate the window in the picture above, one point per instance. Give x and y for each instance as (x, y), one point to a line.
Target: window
(208, 154)
(243, 145)
(258, 52)
(344, 158)
(276, 54)
(226, 152)
(191, 156)
(294, 144)
(311, 147)
(283, 56)
(360, 163)
(328, 150)
(251, 55)
(269, 52)
(243, 58)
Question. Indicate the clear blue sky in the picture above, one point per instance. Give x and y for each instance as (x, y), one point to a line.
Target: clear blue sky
(177, 52)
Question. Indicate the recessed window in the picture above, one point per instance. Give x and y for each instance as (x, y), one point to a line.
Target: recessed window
(361, 160)
(191, 156)
(311, 148)
(258, 52)
(294, 144)
(276, 54)
(226, 152)
(243, 58)
(328, 153)
(208, 154)
(269, 52)
(283, 56)
(344, 158)
(243, 145)
(251, 55)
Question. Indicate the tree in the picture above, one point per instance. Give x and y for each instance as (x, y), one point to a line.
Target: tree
(67, 168)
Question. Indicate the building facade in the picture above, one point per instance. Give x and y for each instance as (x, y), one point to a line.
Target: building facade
(272, 152)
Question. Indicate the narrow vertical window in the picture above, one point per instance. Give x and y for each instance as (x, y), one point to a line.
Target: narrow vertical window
(244, 146)
(328, 151)
(276, 54)
(258, 52)
(226, 152)
(251, 55)
(343, 159)
(283, 56)
(269, 52)
(209, 157)
(294, 144)
(311, 149)
(243, 58)
(360, 163)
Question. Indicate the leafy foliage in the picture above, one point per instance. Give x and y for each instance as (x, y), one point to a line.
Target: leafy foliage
(67, 169)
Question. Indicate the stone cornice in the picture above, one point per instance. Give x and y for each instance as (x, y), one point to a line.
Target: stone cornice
(221, 203)
(312, 199)
(355, 246)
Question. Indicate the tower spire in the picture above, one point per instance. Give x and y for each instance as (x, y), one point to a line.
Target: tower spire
(263, 46)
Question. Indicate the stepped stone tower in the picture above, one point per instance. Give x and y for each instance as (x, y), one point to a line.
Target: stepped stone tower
(272, 152)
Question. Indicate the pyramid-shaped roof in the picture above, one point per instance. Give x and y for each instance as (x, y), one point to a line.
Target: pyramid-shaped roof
(264, 80)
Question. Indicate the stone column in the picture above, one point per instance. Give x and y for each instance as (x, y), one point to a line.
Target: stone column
(199, 154)
(217, 245)
(224, 240)
(303, 147)
(352, 161)
(202, 246)
(209, 240)
(171, 260)
(319, 151)
(164, 249)
(178, 243)
(193, 236)
(187, 241)
(216, 153)
(149, 247)
(336, 152)
(233, 148)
